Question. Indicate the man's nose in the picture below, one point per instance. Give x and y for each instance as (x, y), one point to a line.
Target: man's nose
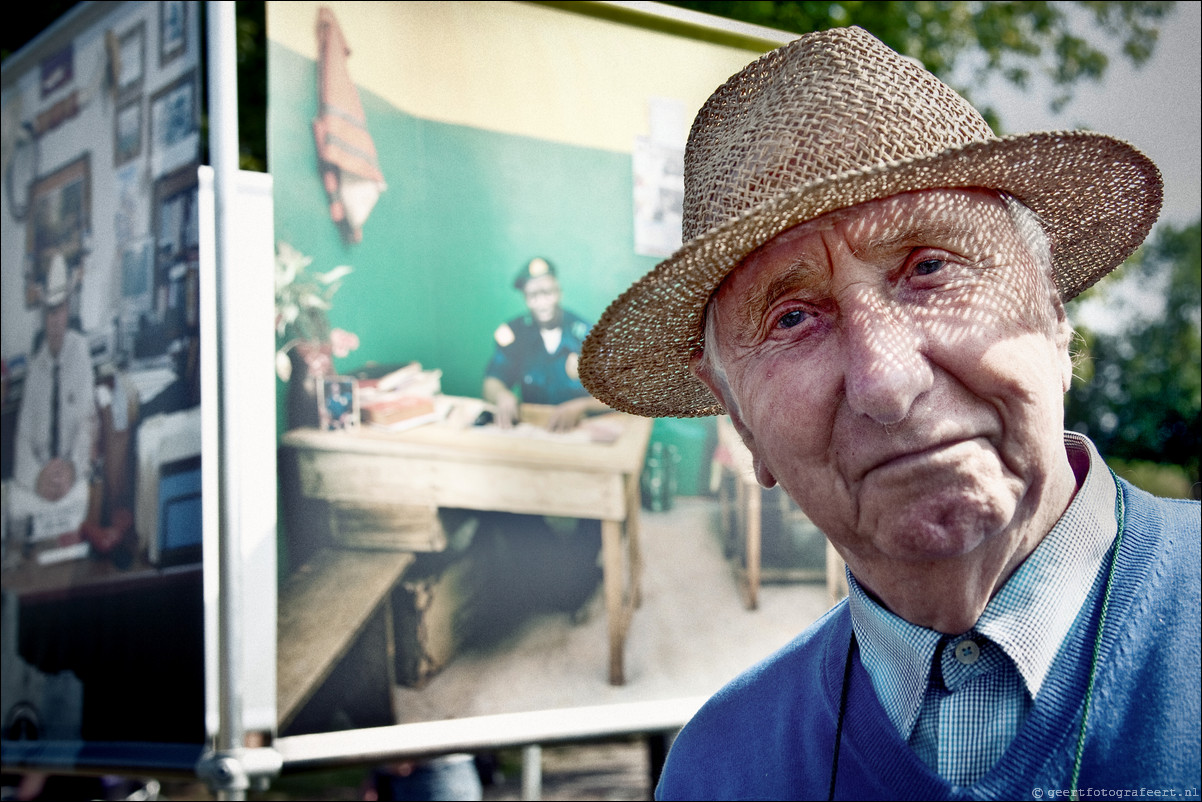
(886, 369)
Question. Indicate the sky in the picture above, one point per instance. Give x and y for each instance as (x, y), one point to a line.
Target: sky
(1158, 108)
(1155, 107)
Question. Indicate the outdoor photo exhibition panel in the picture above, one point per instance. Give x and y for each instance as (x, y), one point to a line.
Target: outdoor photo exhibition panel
(109, 531)
(437, 569)
(101, 145)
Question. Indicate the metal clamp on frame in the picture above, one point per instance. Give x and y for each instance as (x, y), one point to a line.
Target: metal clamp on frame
(230, 774)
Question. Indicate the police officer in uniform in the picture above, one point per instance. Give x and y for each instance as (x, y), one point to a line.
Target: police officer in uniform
(537, 354)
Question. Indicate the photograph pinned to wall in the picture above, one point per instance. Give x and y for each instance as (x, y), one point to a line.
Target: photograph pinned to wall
(657, 161)
(57, 70)
(339, 400)
(173, 30)
(127, 131)
(130, 61)
(174, 125)
(658, 197)
(62, 221)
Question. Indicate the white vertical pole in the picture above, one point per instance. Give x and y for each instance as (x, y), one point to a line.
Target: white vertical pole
(223, 155)
(532, 772)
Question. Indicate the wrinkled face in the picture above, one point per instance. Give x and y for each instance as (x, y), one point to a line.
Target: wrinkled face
(542, 299)
(899, 368)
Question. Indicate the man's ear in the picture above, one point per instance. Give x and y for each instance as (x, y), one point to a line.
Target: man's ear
(1066, 356)
(1064, 341)
(702, 371)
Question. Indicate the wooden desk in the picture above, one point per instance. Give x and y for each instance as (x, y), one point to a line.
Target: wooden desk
(748, 509)
(108, 628)
(81, 578)
(453, 464)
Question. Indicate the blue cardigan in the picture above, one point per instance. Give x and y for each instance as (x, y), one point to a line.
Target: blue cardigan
(770, 733)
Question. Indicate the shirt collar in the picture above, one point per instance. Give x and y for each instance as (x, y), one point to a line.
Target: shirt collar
(1028, 618)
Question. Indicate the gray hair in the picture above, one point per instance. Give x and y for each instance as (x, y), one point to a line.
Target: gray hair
(1031, 233)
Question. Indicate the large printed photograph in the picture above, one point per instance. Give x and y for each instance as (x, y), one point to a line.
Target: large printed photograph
(456, 201)
(101, 384)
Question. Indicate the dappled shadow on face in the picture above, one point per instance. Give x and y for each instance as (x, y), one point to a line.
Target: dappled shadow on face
(921, 330)
(986, 274)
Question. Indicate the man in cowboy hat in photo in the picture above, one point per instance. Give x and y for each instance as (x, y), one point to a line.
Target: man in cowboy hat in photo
(872, 286)
(56, 427)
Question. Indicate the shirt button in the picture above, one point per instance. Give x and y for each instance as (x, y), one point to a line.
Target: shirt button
(967, 652)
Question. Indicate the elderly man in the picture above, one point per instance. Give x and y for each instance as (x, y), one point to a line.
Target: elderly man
(537, 355)
(872, 287)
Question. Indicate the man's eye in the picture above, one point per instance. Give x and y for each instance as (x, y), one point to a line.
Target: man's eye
(928, 266)
(791, 318)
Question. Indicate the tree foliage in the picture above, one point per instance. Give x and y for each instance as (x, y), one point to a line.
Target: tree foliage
(1138, 392)
(1013, 39)
(953, 38)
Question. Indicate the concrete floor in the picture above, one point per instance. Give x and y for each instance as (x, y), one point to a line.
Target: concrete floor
(691, 635)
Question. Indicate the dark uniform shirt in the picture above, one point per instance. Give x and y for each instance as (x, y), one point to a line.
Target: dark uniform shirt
(521, 360)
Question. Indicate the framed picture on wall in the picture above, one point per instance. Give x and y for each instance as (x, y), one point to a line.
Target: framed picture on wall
(57, 70)
(127, 131)
(131, 60)
(173, 30)
(61, 218)
(175, 124)
(176, 236)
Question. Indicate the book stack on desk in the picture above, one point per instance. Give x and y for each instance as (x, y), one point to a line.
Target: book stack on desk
(400, 395)
(386, 411)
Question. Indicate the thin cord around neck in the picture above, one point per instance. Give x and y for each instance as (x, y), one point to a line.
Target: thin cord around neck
(1120, 515)
(851, 648)
(1120, 518)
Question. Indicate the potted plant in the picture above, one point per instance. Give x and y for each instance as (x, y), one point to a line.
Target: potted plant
(308, 344)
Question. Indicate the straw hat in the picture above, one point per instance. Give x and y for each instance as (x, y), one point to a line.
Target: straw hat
(832, 120)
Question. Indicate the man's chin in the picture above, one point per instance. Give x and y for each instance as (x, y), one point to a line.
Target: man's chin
(936, 526)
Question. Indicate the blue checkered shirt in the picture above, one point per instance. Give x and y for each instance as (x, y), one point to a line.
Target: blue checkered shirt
(958, 701)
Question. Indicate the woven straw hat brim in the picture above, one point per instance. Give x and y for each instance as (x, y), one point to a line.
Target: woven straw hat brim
(1097, 196)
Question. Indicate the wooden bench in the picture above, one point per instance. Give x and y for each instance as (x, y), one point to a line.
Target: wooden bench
(336, 646)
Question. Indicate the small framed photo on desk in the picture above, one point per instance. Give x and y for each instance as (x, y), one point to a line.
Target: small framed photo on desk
(339, 403)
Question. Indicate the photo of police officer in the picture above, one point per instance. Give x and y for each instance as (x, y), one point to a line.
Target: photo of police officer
(537, 354)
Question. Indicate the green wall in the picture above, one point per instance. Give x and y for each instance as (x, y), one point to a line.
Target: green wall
(464, 210)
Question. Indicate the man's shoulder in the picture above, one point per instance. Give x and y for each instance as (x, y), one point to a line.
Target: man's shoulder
(1164, 517)
(575, 323)
(511, 331)
(777, 706)
(1158, 591)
